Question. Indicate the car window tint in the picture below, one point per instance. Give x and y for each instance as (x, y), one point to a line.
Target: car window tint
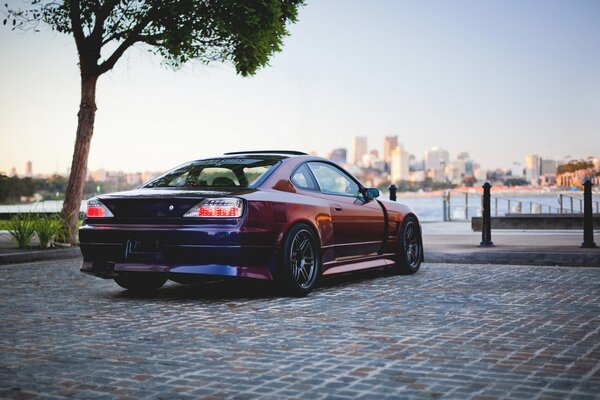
(216, 177)
(217, 173)
(333, 181)
(302, 179)
(179, 180)
(253, 173)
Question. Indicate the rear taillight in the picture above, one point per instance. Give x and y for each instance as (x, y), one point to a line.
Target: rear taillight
(217, 208)
(95, 209)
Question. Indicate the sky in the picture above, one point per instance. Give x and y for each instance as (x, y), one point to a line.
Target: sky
(497, 79)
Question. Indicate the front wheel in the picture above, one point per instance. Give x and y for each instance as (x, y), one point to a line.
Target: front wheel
(410, 251)
(141, 282)
(300, 261)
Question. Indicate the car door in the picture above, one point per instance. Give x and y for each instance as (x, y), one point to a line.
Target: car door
(358, 225)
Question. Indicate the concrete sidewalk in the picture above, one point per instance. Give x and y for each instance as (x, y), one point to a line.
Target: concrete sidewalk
(455, 242)
(10, 254)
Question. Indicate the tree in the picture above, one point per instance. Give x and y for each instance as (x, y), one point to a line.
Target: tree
(469, 181)
(246, 33)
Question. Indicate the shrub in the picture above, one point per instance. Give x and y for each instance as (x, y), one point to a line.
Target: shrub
(21, 228)
(63, 231)
(46, 229)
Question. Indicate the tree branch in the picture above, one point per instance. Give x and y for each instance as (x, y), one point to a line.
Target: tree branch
(75, 16)
(103, 13)
(133, 37)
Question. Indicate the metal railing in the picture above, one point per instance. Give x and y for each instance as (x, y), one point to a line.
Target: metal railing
(569, 206)
(460, 206)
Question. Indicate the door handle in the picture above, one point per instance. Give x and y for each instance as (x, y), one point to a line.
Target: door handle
(337, 208)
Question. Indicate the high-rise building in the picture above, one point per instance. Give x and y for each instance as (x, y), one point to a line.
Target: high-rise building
(399, 164)
(389, 144)
(532, 168)
(517, 170)
(359, 149)
(436, 159)
(338, 156)
(100, 175)
(464, 165)
(548, 167)
(28, 169)
(13, 171)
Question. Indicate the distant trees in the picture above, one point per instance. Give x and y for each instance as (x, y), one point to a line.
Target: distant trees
(573, 166)
(515, 182)
(469, 181)
(12, 188)
(53, 187)
(246, 33)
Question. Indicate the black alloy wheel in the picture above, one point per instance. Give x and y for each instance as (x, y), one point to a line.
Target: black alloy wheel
(410, 252)
(301, 260)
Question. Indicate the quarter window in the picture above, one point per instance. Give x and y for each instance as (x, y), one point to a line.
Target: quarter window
(302, 178)
(333, 181)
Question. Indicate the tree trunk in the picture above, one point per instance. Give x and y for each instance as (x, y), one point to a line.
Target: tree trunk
(77, 177)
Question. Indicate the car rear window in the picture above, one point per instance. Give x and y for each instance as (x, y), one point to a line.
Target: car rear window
(216, 173)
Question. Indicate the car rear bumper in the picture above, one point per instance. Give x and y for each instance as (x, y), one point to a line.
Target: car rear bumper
(109, 269)
(112, 250)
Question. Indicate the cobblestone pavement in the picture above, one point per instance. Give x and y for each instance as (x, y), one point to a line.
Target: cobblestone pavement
(449, 331)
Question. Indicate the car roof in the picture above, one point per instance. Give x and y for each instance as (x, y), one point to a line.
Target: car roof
(267, 152)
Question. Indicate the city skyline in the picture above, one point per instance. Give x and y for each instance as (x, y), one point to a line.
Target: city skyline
(500, 80)
(435, 157)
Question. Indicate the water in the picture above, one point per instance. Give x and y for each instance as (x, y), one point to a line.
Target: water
(428, 208)
(431, 208)
(48, 206)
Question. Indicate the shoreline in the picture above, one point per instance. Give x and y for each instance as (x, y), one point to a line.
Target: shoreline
(520, 191)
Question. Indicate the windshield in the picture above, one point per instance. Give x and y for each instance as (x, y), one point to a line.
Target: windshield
(216, 173)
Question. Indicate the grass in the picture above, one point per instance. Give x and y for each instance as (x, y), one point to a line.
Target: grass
(46, 228)
(22, 227)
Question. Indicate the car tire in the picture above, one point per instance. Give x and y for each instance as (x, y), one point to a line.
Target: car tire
(141, 282)
(300, 262)
(410, 247)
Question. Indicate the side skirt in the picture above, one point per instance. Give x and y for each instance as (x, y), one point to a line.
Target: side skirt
(375, 261)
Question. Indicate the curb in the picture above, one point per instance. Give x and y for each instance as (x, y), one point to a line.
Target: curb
(39, 255)
(515, 258)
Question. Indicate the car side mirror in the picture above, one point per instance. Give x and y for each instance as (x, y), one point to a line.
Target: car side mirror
(371, 193)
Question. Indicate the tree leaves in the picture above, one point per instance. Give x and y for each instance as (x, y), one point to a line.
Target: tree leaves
(246, 33)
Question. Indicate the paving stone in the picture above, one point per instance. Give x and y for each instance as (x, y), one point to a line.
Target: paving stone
(450, 331)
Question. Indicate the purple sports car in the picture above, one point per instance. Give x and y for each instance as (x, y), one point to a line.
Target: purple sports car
(273, 215)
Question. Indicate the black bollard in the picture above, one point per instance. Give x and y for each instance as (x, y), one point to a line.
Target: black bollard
(445, 196)
(486, 229)
(393, 190)
(588, 218)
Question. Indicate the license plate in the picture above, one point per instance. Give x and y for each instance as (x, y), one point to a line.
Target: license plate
(141, 246)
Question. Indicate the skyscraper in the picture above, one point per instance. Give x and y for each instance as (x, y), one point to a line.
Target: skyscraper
(532, 168)
(436, 159)
(548, 167)
(338, 156)
(359, 149)
(28, 169)
(399, 164)
(517, 170)
(389, 144)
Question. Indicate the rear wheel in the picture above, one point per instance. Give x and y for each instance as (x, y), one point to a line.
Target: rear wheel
(141, 282)
(300, 261)
(410, 251)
